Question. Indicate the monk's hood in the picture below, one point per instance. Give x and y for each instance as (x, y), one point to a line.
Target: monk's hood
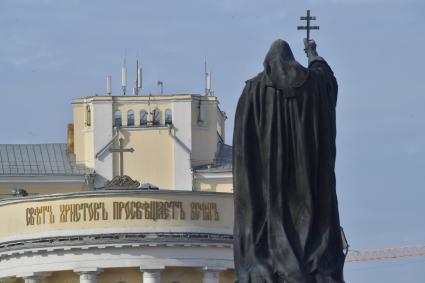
(281, 70)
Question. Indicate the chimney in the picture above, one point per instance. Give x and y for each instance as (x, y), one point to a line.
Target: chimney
(70, 141)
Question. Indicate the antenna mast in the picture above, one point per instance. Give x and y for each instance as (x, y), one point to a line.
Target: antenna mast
(108, 85)
(139, 78)
(138, 84)
(208, 90)
(124, 78)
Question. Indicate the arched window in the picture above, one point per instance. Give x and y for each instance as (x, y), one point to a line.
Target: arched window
(88, 115)
(156, 117)
(143, 118)
(168, 117)
(117, 119)
(130, 118)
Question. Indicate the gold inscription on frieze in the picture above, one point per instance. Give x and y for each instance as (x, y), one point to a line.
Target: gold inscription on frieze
(39, 215)
(130, 210)
(204, 211)
(152, 210)
(89, 211)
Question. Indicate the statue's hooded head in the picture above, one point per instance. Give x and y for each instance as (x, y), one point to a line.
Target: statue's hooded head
(281, 68)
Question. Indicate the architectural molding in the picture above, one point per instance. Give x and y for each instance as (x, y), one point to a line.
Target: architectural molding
(223, 176)
(122, 182)
(117, 257)
(145, 128)
(116, 232)
(152, 274)
(103, 193)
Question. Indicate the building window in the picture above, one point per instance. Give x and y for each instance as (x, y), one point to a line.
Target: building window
(88, 115)
(143, 118)
(156, 117)
(117, 119)
(168, 117)
(130, 118)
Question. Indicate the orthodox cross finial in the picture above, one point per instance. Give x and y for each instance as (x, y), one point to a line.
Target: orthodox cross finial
(308, 27)
(121, 150)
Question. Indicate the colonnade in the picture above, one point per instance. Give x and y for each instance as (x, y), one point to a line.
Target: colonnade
(90, 275)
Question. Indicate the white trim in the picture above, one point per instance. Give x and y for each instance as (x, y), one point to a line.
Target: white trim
(75, 257)
(225, 176)
(140, 128)
(152, 101)
(98, 102)
(164, 98)
(82, 232)
(105, 193)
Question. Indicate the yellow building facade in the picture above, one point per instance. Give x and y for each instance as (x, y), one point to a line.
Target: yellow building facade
(64, 220)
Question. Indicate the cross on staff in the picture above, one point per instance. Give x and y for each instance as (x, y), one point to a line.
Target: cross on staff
(308, 27)
(121, 150)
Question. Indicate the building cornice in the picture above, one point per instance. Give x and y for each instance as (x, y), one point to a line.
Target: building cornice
(103, 193)
(117, 240)
(218, 175)
(144, 98)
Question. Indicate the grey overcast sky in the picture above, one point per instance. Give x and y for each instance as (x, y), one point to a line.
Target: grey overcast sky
(52, 51)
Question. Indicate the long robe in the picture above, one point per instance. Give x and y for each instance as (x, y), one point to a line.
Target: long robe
(287, 226)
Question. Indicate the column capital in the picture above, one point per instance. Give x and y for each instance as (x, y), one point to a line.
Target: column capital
(87, 269)
(152, 274)
(30, 274)
(151, 269)
(212, 268)
(211, 274)
(33, 277)
(88, 274)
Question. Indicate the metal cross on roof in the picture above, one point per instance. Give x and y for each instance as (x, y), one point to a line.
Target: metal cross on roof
(308, 27)
(121, 150)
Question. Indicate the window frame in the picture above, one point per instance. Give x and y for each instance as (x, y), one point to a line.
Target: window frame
(130, 113)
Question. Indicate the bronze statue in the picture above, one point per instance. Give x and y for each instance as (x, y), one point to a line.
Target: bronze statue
(287, 226)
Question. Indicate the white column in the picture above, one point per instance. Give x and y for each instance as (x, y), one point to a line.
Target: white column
(33, 279)
(88, 275)
(211, 275)
(151, 275)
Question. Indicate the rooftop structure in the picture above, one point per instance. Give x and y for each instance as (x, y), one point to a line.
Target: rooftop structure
(140, 192)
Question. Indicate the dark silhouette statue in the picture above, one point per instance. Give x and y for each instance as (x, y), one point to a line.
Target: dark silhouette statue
(287, 226)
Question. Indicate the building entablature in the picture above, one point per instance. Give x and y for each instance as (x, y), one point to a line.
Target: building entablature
(153, 213)
(115, 229)
(102, 258)
(143, 98)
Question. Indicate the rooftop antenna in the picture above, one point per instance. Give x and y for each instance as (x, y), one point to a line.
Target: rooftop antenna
(208, 90)
(139, 78)
(138, 84)
(108, 85)
(124, 78)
